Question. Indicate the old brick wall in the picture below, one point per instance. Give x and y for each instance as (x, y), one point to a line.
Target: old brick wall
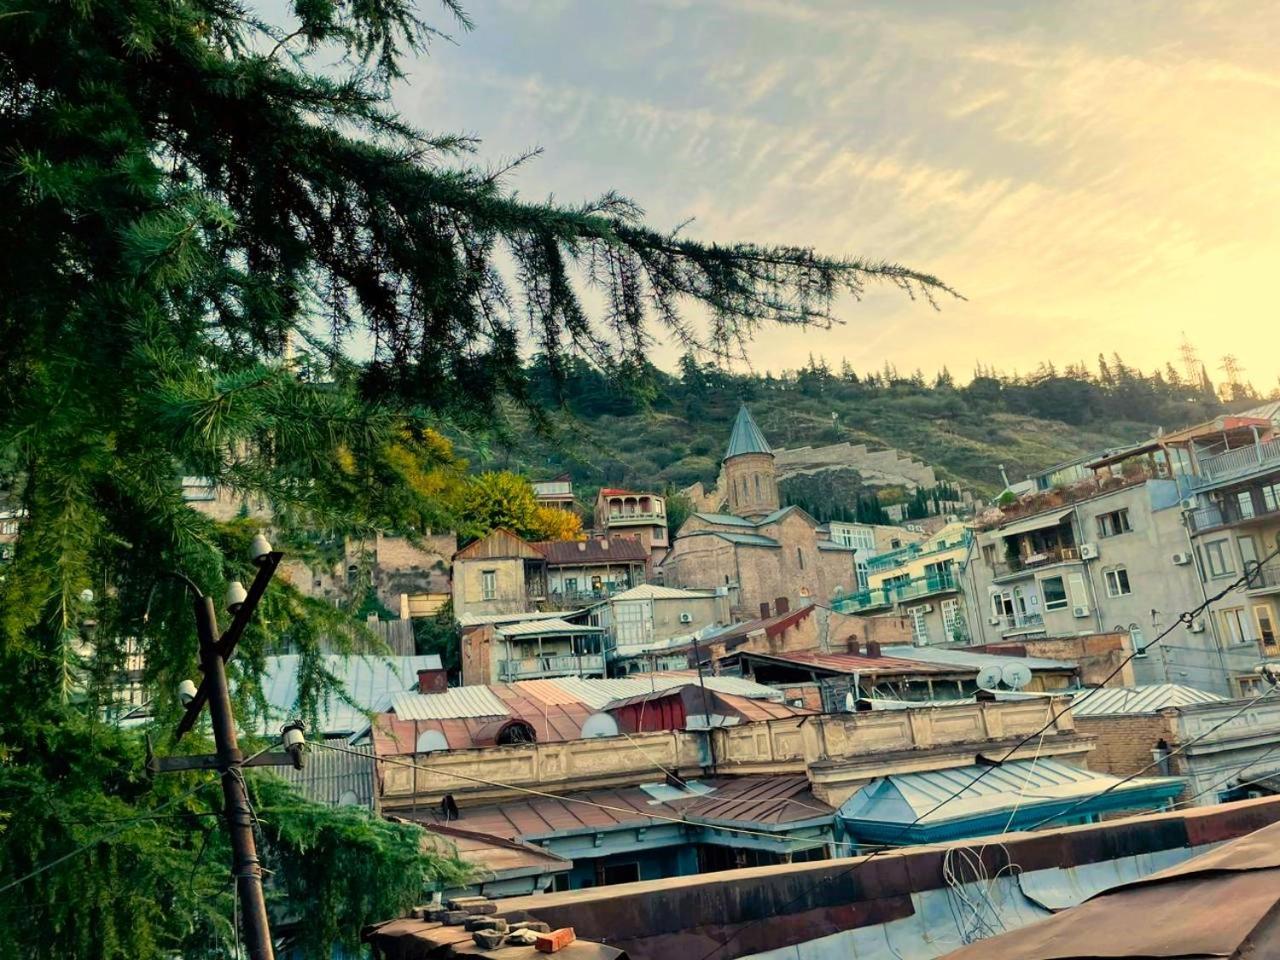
(1125, 742)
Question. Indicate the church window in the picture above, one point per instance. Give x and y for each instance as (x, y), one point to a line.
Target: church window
(800, 557)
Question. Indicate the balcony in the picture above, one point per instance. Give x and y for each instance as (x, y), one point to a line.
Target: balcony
(1241, 462)
(567, 599)
(1229, 512)
(1265, 578)
(1033, 561)
(886, 596)
(547, 665)
(646, 518)
(1021, 623)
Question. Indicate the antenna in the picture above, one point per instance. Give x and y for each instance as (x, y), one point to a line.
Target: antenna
(1016, 675)
(989, 677)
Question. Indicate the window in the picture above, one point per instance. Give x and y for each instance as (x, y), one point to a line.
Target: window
(1235, 627)
(800, 557)
(1217, 559)
(1117, 582)
(1248, 552)
(919, 626)
(489, 584)
(1079, 596)
(8, 528)
(895, 543)
(1136, 642)
(1271, 497)
(1001, 605)
(1055, 593)
(570, 584)
(952, 620)
(620, 873)
(989, 555)
(1114, 523)
(1266, 626)
(757, 486)
(1244, 500)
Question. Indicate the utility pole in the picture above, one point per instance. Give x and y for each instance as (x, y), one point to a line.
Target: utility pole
(229, 761)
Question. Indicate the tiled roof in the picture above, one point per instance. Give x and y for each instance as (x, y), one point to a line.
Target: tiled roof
(603, 550)
(746, 436)
(745, 539)
(1153, 698)
(484, 619)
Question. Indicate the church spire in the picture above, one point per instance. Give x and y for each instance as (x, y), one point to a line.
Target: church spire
(746, 436)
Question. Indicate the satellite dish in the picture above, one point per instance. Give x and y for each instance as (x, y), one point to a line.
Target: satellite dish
(599, 725)
(989, 677)
(1016, 676)
(429, 741)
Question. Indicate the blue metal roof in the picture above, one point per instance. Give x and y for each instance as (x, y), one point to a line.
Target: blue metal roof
(746, 436)
(727, 519)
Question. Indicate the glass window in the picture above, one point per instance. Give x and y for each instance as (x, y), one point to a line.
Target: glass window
(489, 584)
(1217, 558)
(919, 626)
(1266, 625)
(1055, 593)
(1234, 625)
(1114, 523)
(1244, 501)
(1001, 605)
(1271, 496)
(1248, 552)
(1117, 582)
(1136, 642)
(952, 621)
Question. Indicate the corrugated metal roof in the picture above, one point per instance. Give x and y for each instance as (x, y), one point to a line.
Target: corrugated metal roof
(1040, 522)
(849, 663)
(483, 619)
(916, 797)
(746, 436)
(953, 657)
(334, 777)
(596, 693)
(597, 550)
(726, 519)
(550, 627)
(368, 682)
(734, 686)
(1134, 700)
(653, 591)
(456, 702)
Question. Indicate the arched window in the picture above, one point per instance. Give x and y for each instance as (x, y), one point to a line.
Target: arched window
(1136, 640)
(758, 493)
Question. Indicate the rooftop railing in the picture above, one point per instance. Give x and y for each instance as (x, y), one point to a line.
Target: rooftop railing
(1238, 463)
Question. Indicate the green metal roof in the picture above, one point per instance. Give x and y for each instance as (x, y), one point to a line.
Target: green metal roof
(746, 436)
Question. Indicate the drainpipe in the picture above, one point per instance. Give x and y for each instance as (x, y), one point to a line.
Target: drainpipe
(1204, 593)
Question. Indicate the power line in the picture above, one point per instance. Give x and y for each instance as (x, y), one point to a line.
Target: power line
(1185, 618)
(1232, 776)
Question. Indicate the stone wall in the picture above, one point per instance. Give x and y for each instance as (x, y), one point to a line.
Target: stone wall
(1098, 655)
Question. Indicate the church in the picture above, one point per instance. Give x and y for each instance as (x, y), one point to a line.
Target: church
(759, 550)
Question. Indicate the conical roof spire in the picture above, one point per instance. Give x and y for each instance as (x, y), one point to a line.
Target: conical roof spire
(746, 436)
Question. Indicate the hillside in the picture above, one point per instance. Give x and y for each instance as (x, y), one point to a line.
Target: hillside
(662, 431)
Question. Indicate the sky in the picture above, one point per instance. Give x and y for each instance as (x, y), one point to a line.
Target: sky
(1091, 176)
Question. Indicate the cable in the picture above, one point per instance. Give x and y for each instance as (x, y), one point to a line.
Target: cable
(1184, 618)
(1154, 763)
(112, 834)
(1190, 801)
(683, 821)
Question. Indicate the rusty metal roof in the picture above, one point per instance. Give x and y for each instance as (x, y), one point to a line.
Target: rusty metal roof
(849, 663)
(599, 550)
(1220, 904)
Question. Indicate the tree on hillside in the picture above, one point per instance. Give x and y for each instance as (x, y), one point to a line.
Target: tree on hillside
(502, 500)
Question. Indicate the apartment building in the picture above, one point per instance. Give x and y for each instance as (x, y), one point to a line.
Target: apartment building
(642, 516)
(872, 540)
(918, 581)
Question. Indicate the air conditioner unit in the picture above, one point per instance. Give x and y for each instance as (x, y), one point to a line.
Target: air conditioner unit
(1196, 626)
(1189, 503)
(1079, 611)
(1088, 551)
(1181, 559)
(994, 621)
(686, 618)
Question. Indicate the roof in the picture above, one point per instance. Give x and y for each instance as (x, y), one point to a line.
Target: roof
(335, 777)
(850, 663)
(760, 801)
(474, 701)
(956, 657)
(367, 681)
(772, 626)
(1040, 521)
(499, 544)
(485, 619)
(620, 492)
(496, 858)
(407, 937)
(1111, 701)
(832, 545)
(653, 591)
(745, 539)
(746, 708)
(746, 436)
(1219, 904)
(731, 520)
(547, 627)
(1032, 788)
(566, 553)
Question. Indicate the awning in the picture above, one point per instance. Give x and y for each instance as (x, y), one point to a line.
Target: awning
(904, 808)
(1041, 522)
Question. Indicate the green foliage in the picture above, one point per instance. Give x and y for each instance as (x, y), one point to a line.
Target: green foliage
(502, 500)
(440, 635)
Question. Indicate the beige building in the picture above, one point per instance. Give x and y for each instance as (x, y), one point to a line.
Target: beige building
(584, 571)
(759, 551)
(497, 575)
(639, 515)
(531, 650)
(646, 616)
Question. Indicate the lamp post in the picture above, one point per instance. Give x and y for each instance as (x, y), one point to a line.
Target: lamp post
(215, 651)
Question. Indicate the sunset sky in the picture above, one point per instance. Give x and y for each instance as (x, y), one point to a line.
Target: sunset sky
(1090, 175)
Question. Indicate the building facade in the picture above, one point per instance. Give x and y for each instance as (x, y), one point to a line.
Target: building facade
(871, 540)
(585, 571)
(498, 574)
(642, 516)
(758, 551)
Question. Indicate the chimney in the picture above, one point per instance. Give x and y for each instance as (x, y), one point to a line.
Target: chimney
(873, 648)
(582, 546)
(432, 681)
(855, 647)
(782, 605)
(604, 543)
(764, 610)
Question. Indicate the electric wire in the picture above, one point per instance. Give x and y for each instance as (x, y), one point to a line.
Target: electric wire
(1237, 772)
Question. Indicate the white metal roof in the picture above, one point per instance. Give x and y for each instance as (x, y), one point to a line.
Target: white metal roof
(1134, 700)
(367, 680)
(653, 591)
(952, 657)
(551, 627)
(482, 619)
(475, 701)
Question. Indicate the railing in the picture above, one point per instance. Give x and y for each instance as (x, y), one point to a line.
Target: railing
(887, 595)
(1242, 460)
(1026, 621)
(587, 596)
(1040, 559)
(911, 552)
(1228, 512)
(647, 516)
(551, 666)
(1265, 577)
